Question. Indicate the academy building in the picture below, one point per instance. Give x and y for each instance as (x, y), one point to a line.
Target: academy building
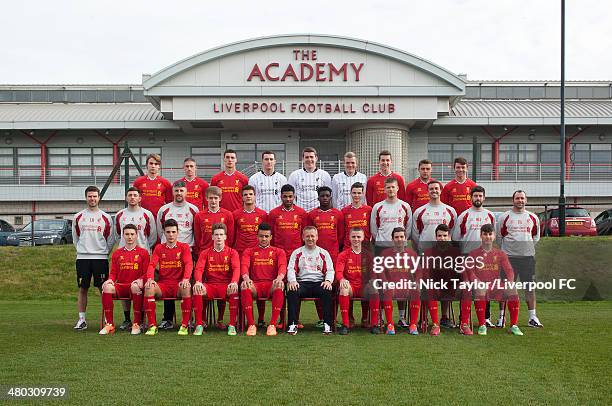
(286, 92)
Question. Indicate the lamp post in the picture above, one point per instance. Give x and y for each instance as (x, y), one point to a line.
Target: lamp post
(562, 140)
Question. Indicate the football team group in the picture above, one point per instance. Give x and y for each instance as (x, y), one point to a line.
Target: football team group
(242, 241)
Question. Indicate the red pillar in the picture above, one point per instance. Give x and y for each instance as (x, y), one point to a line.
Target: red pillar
(567, 158)
(495, 159)
(115, 160)
(43, 163)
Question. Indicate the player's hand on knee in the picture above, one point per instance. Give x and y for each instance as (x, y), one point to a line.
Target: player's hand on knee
(198, 288)
(294, 286)
(278, 284)
(344, 284)
(244, 285)
(184, 284)
(327, 285)
(232, 288)
(150, 284)
(108, 284)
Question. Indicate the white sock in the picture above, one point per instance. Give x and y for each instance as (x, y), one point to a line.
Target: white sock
(532, 314)
(402, 314)
(501, 313)
(81, 315)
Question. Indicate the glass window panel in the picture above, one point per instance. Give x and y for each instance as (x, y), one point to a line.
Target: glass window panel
(80, 160)
(103, 151)
(29, 160)
(28, 151)
(601, 147)
(439, 147)
(80, 151)
(57, 160)
(56, 151)
(6, 151)
(103, 160)
(6, 160)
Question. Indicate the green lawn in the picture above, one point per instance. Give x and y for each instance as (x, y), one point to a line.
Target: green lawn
(567, 362)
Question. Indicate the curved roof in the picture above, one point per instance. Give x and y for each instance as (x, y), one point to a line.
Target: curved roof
(531, 108)
(304, 39)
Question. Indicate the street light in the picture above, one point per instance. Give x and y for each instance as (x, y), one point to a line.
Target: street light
(562, 140)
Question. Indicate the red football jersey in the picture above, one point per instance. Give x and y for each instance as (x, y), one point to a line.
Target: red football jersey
(406, 271)
(154, 193)
(330, 225)
(375, 189)
(202, 227)
(175, 264)
(417, 194)
(263, 264)
(196, 192)
(493, 262)
(231, 187)
(129, 265)
(245, 228)
(352, 267)
(457, 195)
(356, 217)
(218, 266)
(287, 226)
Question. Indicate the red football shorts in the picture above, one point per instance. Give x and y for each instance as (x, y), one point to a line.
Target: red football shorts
(123, 291)
(216, 290)
(169, 289)
(264, 289)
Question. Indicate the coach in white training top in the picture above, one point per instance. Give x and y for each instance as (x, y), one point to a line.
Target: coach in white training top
(389, 214)
(342, 182)
(180, 210)
(429, 216)
(467, 229)
(142, 218)
(307, 180)
(267, 183)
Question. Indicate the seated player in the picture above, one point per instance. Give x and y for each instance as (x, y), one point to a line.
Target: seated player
(128, 268)
(310, 273)
(263, 269)
(352, 274)
(496, 270)
(216, 276)
(439, 269)
(175, 268)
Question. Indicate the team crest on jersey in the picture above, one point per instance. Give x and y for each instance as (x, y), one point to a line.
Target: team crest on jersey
(225, 258)
(163, 255)
(256, 254)
(223, 219)
(121, 257)
(317, 218)
(236, 182)
(270, 253)
(494, 258)
(136, 257)
(454, 190)
(242, 220)
(365, 215)
(256, 219)
(197, 187)
(159, 185)
(295, 216)
(178, 255)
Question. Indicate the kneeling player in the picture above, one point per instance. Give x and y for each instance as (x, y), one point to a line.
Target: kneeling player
(175, 267)
(495, 271)
(216, 277)
(128, 268)
(263, 270)
(352, 272)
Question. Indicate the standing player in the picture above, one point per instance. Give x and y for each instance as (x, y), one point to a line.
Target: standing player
(329, 222)
(456, 193)
(141, 217)
(246, 221)
(287, 222)
(308, 180)
(263, 270)
(128, 267)
(310, 273)
(196, 187)
(375, 188)
(519, 231)
(216, 276)
(417, 193)
(342, 182)
(390, 213)
(181, 211)
(231, 182)
(154, 190)
(175, 268)
(429, 216)
(267, 183)
(495, 270)
(92, 235)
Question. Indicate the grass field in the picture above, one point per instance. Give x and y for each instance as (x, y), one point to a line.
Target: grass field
(566, 362)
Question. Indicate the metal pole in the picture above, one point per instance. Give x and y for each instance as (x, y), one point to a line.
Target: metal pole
(126, 180)
(562, 140)
(476, 155)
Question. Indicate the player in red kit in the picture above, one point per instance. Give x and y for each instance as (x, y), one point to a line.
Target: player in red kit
(246, 221)
(375, 188)
(231, 182)
(287, 221)
(263, 270)
(155, 191)
(492, 266)
(175, 268)
(417, 193)
(196, 187)
(457, 192)
(329, 222)
(128, 267)
(216, 276)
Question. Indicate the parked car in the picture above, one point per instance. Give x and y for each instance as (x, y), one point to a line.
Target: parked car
(578, 221)
(46, 232)
(603, 222)
(5, 230)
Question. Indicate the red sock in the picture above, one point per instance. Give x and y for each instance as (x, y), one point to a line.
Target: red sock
(481, 308)
(364, 310)
(319, 307)
(233, 305)
(415, 306)
(466, 309)
(107, 306)
(432, 305)
(150, 309)
(261, 310)
(186, 311)
(345, 302)
(374, 305)
(278, 298)
(137, 304)
(247, 305)
(220, 310)
(513, 307)
(198, 304)
(388, 306)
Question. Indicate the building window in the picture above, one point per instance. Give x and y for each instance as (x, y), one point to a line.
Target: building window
(79, 165)
(7, 165)
(443, 155)
(28, 164)
(208, 160)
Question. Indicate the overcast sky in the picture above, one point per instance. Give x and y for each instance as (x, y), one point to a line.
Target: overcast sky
(112, 41)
